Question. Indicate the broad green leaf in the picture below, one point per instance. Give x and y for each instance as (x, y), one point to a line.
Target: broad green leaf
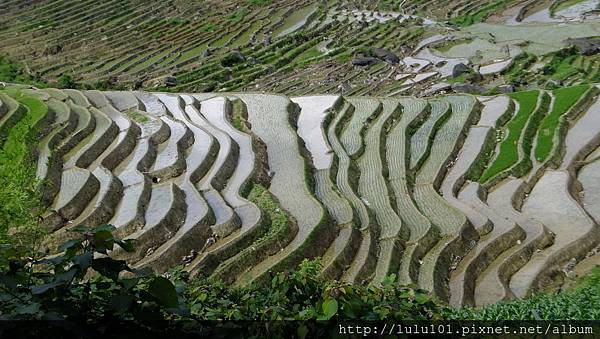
(330, 308)
(202, 296)
(83, 260)
(67, 276)
(39, 289)
(106, 227)
(421, 298)
(103, 241)
(28, 309)
(69, 245)
(389, 279)
(126, 244)
(164, 291)
(109, 267)
(61, 259)
(129, 283)
(302, 331)
(9, 281)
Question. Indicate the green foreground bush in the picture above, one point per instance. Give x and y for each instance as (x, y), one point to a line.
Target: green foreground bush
(81, 285)
(84, 285)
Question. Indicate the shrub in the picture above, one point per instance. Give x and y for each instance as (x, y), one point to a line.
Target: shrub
(15, 73)
(303, 295)
(66, 81)
(82, 285)
(232, 58)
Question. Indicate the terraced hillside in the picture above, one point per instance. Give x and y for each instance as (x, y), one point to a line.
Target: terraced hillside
(339, 47)
(477, 199)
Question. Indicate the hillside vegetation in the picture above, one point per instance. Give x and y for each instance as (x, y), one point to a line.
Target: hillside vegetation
(164, 161)
(302, 47)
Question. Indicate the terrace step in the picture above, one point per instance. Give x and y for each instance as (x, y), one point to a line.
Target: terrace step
(227, 221)
(230, 257)
(130, 213)
(314, 112)
(201, 161)
(271, 123)
(124, 101)
(551, 202)
(538, 237)
(77, 97)
(423, 234)
(226, 161)
(466, 278)
(220, 118)
(583, 137)
(170, 158)
(458, 234)
(454, 180)
(125, 142)
(373, 188)
(64, 147)
(56, 94)
(92, 147)
(78, 187)
(190, 236)
(165, 214)
(510, 153)
(76, 145)
(64, 123)
(85, 126)
(421, 140)
(151, 103)
(14, 113)
(204, 149)
(362, 264)
(195, 229)
(352, 136)
(589, 178)
(102, 207)
(424, 226)
(495, 111)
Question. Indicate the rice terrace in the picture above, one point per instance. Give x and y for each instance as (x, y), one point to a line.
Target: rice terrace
(449, 148)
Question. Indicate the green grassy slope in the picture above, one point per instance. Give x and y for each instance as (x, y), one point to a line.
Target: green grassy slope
(508, 153)
(19, 195)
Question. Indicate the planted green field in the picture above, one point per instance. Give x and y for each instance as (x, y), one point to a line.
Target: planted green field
(507, 154)
(565, 98)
